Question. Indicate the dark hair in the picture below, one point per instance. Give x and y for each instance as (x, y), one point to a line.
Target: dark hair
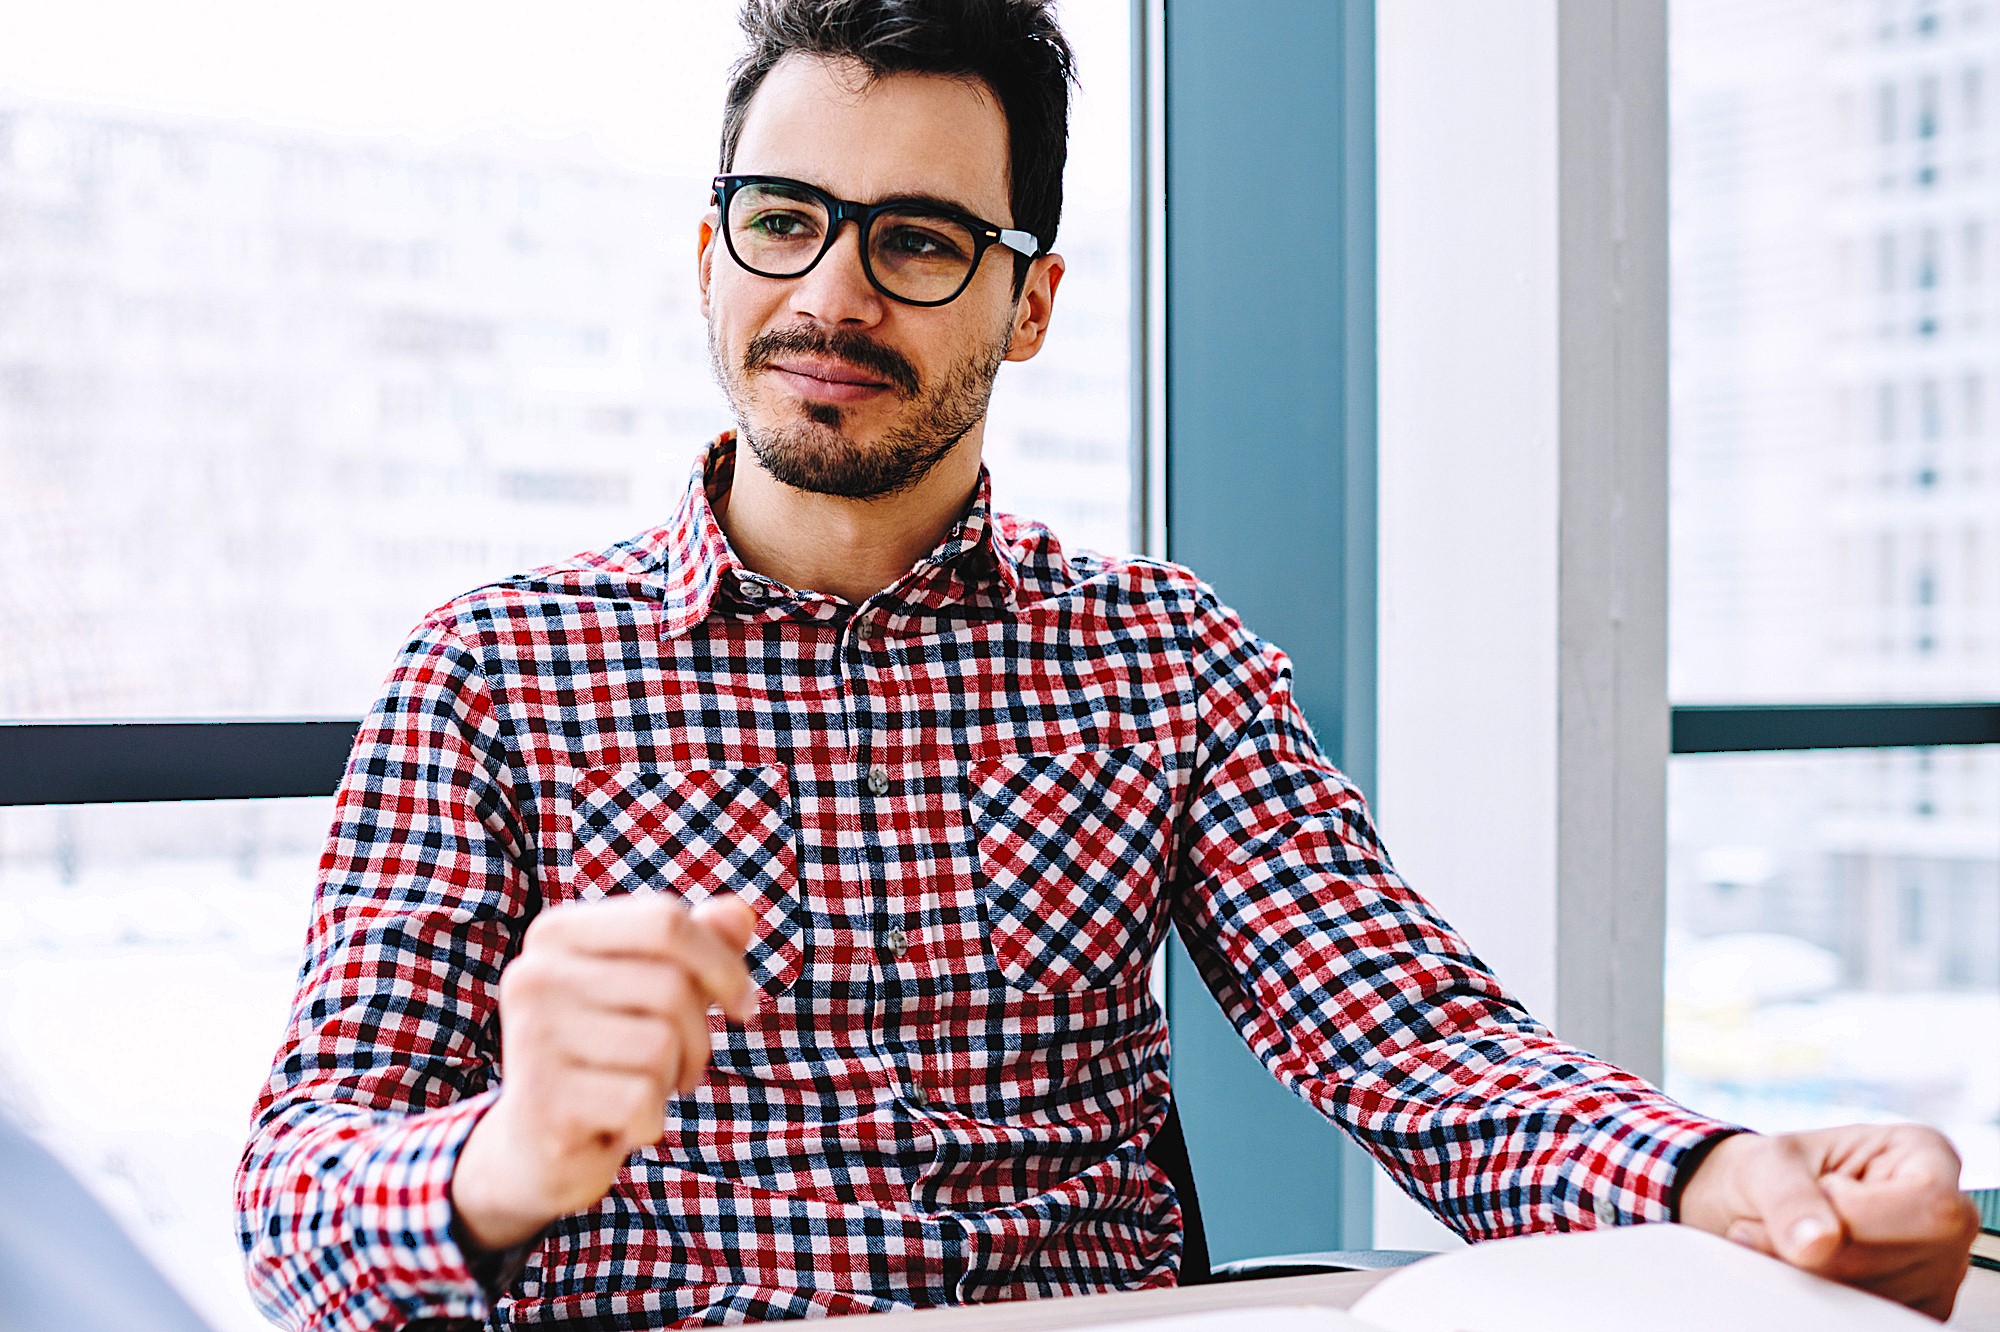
(1012, 46)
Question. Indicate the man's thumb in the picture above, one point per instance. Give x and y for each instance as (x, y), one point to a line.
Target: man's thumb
(732, 918)
(1798, 1217)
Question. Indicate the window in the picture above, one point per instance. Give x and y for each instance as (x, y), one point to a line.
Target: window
(1834, 913)
(293, 349)
(293, 359)
(1834, 939)
(147, 959)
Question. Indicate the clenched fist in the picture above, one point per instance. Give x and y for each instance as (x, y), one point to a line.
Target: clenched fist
(603, 1020)
(1874, 1205)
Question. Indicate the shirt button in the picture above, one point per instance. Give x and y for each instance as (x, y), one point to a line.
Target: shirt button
(899, 943)
(878, 780)
(915, 1096)
(1607, 1213)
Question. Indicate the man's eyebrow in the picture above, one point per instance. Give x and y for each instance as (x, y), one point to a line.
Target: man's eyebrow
(935, 202)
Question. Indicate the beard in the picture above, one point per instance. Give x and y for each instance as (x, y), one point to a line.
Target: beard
(813, 452)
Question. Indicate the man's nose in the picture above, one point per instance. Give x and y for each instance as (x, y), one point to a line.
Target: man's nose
(837, 290)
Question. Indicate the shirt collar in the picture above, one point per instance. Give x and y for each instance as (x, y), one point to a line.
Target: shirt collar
(975, 562)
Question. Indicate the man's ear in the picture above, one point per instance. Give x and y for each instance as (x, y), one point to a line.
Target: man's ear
(704, 258)
(1035, 306)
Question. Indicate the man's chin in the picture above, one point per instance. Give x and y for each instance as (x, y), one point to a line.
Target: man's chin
(819, 460)
(823, 460)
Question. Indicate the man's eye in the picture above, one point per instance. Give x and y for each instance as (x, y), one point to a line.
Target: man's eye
(781, 225)
(914, 242)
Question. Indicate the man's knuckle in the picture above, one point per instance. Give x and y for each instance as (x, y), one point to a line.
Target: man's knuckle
(554, 922)
(525, 981)
(579, 1117)
(1956, 1216)
(636, 1103)
(652, 1045)
(679, 989)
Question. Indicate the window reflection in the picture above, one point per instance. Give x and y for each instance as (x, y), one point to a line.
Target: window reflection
(1836, 482)
(1834, 940)
(277, 381)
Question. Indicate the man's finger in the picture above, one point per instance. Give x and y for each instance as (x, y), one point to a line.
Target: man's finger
(1903, 1212)
(628, 924)
(660, 926)
(709, 941)
(1927, 1281)
(1801, 1222)
(628, 985)
(613, 1042)
(695, 1050)
(1752, 1235)
(730, 917)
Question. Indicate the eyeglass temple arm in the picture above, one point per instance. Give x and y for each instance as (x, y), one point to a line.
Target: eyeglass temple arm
(1022, 242)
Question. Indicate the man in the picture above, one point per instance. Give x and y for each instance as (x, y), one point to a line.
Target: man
(841, 817)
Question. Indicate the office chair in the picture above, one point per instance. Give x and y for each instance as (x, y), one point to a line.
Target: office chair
(1171, 1154)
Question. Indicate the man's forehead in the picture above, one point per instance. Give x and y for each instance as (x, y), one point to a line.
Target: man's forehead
(830, 123)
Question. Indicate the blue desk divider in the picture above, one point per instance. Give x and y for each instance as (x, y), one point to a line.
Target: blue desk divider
(1270, 382)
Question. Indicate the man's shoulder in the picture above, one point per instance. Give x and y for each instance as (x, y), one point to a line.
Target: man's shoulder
(619, 580)
(1050, 571)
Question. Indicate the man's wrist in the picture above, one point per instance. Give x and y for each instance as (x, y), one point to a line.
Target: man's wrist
(1686, 1168)
(490, 1219)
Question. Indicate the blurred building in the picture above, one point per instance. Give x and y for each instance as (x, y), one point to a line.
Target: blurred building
(1836, 526)
(268, 396)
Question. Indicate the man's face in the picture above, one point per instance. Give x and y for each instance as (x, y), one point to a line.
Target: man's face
(837, 388)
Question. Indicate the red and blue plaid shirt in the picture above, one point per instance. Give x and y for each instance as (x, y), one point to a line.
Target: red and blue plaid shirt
(966, 812)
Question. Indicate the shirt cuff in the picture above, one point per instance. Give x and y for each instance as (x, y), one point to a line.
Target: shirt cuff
(1630, 1167)
(494, 1270)
(1685, 1167)
(401, 1217)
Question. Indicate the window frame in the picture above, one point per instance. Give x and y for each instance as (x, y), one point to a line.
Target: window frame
(271, 758)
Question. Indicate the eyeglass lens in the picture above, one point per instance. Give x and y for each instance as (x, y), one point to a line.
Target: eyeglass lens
(914, 254)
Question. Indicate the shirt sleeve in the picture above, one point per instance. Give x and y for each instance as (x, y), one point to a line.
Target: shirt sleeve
(1364, 1003)
(343, 1192)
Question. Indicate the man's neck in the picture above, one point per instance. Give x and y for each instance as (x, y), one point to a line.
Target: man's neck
(847, 548)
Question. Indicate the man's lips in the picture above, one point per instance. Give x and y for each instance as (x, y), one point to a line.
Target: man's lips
(827, 380)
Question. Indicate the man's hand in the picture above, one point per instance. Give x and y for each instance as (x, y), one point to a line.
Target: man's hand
(603, 1020)
(1874, 1205)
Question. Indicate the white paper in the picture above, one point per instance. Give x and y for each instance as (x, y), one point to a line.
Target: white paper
(1657, 1278)
(1269, 1318)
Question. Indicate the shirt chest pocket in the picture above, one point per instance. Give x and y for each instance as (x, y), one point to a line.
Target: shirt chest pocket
(696, 832)
(1070, 849)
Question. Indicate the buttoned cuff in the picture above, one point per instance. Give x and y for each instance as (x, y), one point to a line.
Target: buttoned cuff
(1630, 1167)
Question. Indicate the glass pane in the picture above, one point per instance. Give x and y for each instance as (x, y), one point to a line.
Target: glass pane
(1059, 437)
(148, 955)
(1833, 949)
(1835, 449)
(310, 319)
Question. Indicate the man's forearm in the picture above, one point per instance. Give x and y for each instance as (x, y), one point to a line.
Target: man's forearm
(323, 1185)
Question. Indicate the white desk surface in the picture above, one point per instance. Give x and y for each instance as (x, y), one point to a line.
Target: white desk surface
(1978, 1304)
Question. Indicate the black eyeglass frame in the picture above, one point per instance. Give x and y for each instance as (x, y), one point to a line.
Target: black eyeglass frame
(985, 235)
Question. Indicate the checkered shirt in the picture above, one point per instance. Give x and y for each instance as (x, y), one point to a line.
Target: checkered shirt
(966, 812)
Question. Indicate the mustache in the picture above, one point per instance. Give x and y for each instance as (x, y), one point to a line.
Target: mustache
(857, 349)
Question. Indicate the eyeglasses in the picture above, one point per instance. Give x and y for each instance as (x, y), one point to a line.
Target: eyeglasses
(916, 253)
